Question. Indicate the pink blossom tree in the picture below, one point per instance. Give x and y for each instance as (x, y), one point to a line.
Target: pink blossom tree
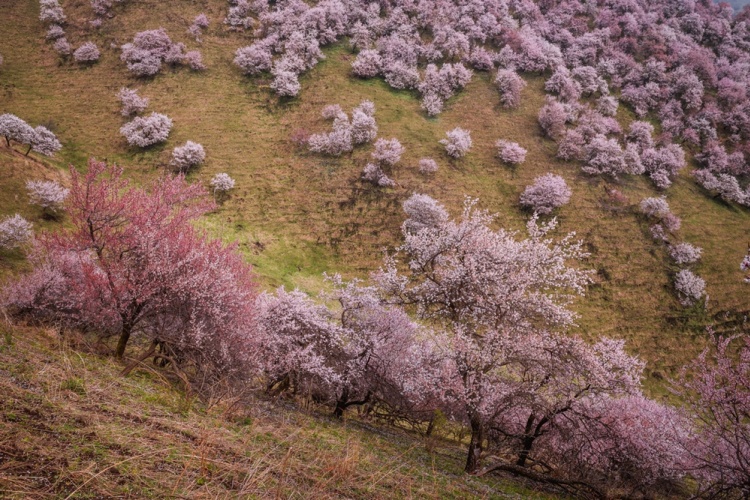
(87, 53)
(131, 264)
(189, 155)
(510, 85)
(510, 152)
(457, 142)
(388, 151)
(690, 287)
(14, 231)
(49, 195)
(488, 290)
(147, 131)
(131, 102)
(423, 212)
(715, 389)
(547, 193)
(428, 166)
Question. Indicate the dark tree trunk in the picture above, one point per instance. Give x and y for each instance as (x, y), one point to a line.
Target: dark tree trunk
(528, 441)
(29, 150)
(341, 403)
(7, 140)
(123, 341)
(430, 427)
(473, 460)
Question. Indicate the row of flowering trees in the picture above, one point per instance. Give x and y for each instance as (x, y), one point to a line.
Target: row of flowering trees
(462, 318)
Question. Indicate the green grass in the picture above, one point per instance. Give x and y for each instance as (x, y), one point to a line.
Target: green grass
(296, 214)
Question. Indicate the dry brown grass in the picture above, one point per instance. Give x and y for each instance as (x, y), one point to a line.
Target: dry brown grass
(72, 427)
(296, 214)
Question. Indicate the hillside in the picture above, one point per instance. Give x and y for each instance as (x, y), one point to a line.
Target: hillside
(297, 214)
(72, 427)
(649, 100)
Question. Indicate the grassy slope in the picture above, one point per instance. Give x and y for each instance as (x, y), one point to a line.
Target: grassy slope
(71, 425)
(296, 214)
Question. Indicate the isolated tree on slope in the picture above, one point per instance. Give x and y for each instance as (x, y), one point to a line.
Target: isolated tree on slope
(133, 264)
(489, 290)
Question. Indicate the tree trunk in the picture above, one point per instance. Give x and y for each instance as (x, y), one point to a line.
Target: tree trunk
(7, 140)
(475, 446)
(123, 342)
(528, 441)
(341, 405)
(430, 427)
(29, 150)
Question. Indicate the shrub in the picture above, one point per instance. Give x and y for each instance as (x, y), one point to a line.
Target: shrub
(547, 193)
(147, 52)
(388, 151)
(363, 125)
(428, 166)
(690, 288)
(132, 103)
(14, 232)
(50, 11)
(254, 59)
(44, 142)
(187, 156)
(552, 118)
(510, 85)
(374, 174)
(286, 83)
(62, 46)
(194, 60)
(221, 183)
(147, 131)
(87, 53)
(655, 207)
(49, 195)
(457, 142)
(54, 32)
(510, 152)
(422, 212)
(603, 155)
(685, 253)
(367, 64)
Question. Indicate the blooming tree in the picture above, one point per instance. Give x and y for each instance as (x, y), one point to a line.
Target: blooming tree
(716, 390)
(44, 142)
(510, 85)
(685, 253)
(221, 183)
(131, 102)
(510, 152)
(147, 131)
(488, 290)
(132, 265)
(49, 195)
(189, 155)
(423, 212)
(388, 151)
(15, 129)
(690, 287)
(457, 142)
(428, 166)
(14, 231)
(547, 193)
(87, 53)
